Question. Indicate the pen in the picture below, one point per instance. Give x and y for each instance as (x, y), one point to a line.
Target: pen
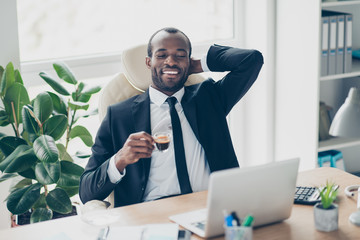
(236, 219)
(248, 221)
(229, 220)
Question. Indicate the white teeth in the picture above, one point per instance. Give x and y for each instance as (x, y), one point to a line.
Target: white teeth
(170, 72)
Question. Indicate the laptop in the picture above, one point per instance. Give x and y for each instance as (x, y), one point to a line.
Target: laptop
(266, 192)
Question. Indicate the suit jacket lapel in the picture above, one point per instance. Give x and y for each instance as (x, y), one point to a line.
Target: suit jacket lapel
(141, 114)
(190, 111)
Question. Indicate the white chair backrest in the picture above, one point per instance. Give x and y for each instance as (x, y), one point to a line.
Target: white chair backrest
(134, 79)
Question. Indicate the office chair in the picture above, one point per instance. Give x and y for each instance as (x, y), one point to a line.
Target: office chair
(134, 79)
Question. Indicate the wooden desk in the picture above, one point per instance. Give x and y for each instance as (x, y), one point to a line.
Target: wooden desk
(299, 226)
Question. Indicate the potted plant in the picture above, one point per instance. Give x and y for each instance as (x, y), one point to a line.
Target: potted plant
(37, 153)
(326, 212)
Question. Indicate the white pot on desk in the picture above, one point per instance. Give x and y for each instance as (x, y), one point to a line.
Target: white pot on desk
(326, 220)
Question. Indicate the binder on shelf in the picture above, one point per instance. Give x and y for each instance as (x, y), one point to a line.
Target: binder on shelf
(348, 43)
(340, 44)
(324, 45)
(332, 44)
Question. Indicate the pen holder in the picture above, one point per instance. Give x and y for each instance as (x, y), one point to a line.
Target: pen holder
(238, 233)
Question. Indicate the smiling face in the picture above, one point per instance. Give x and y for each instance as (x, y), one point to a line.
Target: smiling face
(170, 61)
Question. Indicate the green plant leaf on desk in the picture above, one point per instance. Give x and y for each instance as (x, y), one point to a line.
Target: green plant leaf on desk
(328, 195)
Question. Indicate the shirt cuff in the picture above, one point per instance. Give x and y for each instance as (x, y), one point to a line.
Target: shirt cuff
(204, 65)
(114, 175)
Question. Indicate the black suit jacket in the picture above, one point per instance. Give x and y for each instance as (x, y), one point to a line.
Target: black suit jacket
(205, 105)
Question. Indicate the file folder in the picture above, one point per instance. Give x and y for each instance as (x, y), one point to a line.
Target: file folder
(348, 43)
(332, 44)
(324, 45)
(340, 37)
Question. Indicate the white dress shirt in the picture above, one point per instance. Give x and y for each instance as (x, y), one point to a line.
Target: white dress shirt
(163, 179)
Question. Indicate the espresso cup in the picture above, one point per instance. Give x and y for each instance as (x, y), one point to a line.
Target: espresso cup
(162, 141)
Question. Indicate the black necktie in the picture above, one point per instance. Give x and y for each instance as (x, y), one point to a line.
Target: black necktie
(181, 169)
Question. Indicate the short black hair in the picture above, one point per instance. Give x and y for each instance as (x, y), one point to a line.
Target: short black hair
(168, 30)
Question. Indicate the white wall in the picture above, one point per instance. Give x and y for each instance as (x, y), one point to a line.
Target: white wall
(9, 49)
(252, 120)
(297, 73)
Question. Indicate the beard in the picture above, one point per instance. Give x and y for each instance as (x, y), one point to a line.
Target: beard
(164, 85)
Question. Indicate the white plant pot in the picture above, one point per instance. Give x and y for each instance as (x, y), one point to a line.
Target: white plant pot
(326, 220)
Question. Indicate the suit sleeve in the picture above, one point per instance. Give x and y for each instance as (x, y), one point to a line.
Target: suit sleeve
(243, 65)
(95, 182)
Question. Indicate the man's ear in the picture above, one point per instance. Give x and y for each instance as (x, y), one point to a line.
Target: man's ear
(148, 62)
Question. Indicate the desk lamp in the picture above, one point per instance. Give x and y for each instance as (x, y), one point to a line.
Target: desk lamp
(346, 123)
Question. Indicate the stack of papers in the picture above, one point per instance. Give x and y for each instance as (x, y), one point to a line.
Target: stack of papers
(168, 231)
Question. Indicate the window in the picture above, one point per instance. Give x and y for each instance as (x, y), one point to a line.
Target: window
(50, 29)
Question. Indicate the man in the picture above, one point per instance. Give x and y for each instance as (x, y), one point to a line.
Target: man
(123, 158)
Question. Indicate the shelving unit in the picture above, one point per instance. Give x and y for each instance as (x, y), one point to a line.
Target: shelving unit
(354, 8)
(299, 86)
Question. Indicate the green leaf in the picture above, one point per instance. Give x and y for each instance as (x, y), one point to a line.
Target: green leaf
(70, 177)
(29, 173)
(19, 160)
(84, 98)
(23, 183)
(64, 72)
(54, 84)
(1, 74)
(56, 126)
(79, 115)
(78, 105)
(71, 191)
(91, 90)
(59, 104)
(70, 174)
(4, 119)
(41, 214)
(80, 154)
(8, 78)
(6, 176)
(18, 77)
(9, 144)
(17, 95)
(41, 202)
(43, 106)
(47, 173)
(30, 123)
(21, 200)
(59, 201)
(45, 149)
(83, 134)
(63, 154)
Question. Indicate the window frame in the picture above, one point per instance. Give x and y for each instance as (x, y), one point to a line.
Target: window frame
(107, 64)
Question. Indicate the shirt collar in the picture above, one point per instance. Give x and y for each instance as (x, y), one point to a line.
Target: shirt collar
(159, 98)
